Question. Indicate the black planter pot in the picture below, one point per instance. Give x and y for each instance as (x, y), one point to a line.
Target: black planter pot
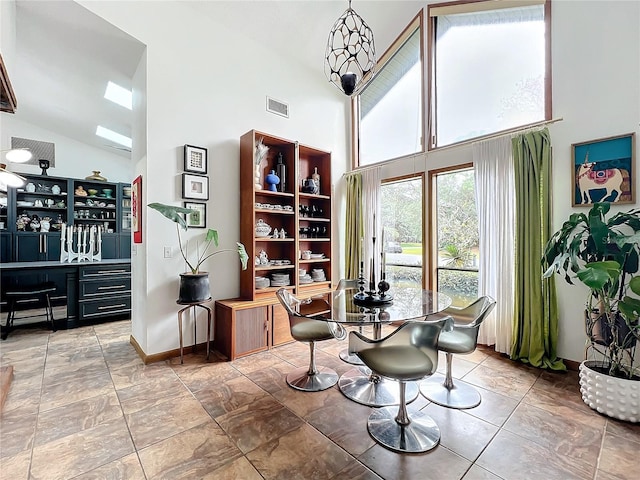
(194, 287)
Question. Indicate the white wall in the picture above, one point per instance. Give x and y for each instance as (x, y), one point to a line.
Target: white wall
(72, 158)
(201, 92)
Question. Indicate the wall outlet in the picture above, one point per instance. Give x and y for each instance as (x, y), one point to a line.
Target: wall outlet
(167, 252)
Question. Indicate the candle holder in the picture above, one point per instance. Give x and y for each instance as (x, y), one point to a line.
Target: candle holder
(372, 297)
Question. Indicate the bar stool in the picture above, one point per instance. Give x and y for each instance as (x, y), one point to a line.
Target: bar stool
(39, 291)
(193, 305)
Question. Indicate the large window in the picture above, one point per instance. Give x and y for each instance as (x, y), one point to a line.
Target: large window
(391, 106)
(455, 235)
(488, 68)
(402, 219)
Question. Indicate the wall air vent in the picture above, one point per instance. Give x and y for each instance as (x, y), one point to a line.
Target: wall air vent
(277, 107)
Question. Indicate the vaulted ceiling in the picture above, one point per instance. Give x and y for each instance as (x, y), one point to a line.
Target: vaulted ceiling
(65, 55)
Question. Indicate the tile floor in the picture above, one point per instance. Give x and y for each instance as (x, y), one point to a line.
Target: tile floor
(82, 405)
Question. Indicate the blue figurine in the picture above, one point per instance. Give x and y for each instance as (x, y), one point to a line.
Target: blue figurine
(272, 180)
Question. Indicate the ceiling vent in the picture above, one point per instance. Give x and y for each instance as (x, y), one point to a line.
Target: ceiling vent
(40, 150)
(277, 107)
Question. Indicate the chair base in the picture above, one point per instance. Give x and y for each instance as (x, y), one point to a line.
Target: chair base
(301, 380)
(353, 359)
(420, 435)
(362, 386)
(461, 396)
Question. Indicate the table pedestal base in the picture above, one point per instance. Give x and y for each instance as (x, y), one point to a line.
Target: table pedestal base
(362, 386)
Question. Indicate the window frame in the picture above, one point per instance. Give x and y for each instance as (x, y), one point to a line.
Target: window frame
(416, 23)
(467, 6)
(422, 177)
(432, 220)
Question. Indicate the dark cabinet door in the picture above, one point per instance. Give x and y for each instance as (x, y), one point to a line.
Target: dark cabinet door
(28, 247)
(125, 245)
(109, 245)
(5, 247)
(51, 242)
(34, 246)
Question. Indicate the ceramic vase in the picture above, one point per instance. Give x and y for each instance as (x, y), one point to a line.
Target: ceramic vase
(272, 180)
(257, 183)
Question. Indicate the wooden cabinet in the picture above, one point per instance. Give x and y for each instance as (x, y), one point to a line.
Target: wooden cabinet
(300, 207)
(241, 328)
(304, 214)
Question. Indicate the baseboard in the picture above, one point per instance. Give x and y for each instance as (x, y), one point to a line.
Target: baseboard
(6, 377)
(162, 356)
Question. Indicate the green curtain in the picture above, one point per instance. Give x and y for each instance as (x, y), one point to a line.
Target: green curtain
(354, 230)
(535, 329)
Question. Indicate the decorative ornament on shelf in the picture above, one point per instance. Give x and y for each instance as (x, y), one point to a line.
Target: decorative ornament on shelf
(351, 54)
(44, 165)
(258, 156)
(96, 177)
(272, 180)
(281, 171)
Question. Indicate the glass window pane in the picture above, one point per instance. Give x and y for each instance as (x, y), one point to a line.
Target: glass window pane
(402, 216)
(391, 107)
(489, 72)
(457, 236)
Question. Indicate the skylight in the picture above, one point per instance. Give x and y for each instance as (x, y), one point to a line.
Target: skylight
(119, 95)
(113, 136)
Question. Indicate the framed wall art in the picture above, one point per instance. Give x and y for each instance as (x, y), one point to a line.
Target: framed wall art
(603, 170)
(136, 209)
(195, 187)
(195, 159)
(197, 219)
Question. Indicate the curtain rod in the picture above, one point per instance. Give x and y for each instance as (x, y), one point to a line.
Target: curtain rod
(502, 133)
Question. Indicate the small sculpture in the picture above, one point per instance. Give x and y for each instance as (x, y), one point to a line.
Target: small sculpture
(80, 191)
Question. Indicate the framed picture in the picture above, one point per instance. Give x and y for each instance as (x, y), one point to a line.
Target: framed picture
(195, 159)
(604, 171)
(136, 209)
(197, 219)
(195, 187)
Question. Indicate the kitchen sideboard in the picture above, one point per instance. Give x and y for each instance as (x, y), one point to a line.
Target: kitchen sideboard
(91, 290)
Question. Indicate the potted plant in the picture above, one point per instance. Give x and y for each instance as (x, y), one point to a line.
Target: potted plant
(194, 285)
(602, 251)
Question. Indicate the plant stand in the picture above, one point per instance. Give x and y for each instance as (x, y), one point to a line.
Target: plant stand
(615, 397)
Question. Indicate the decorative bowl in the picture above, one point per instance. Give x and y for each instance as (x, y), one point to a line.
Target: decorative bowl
(92, 192)
(262, 229)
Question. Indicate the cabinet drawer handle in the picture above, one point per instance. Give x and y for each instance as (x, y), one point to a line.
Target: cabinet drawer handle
(105, 272)
(110, 287)
(107, 307)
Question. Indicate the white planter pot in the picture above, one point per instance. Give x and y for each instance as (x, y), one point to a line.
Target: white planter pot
(615, 397)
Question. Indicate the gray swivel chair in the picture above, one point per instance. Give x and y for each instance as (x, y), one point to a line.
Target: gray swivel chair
(310, 329)
(462, 339)
(345, 356)
(408, 354)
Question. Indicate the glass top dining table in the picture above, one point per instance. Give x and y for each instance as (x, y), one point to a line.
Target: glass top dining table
(409, 303)
(360, 384)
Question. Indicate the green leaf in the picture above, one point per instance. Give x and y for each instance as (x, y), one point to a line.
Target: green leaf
(173, 213)
(634, 285)
(630, 308)
(212, 235)
(595, 275)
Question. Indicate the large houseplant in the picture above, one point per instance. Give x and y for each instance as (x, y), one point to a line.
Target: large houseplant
(194, 285)
(602, 251)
